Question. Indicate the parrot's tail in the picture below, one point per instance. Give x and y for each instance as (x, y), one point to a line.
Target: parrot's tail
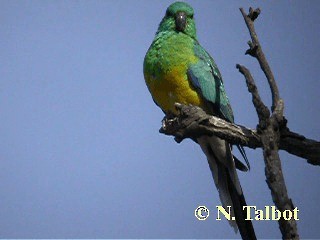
(224, 173)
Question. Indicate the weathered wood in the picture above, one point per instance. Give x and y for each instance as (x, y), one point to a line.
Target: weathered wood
(193, 122)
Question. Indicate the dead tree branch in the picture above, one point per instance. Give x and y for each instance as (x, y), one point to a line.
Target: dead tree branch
(270, 134)
(262, 111)
(193, 122)
(256, 51)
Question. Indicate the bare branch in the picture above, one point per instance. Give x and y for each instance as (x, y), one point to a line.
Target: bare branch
(262, 111)
(270, 134)
(300, 146)
(193, 122)
(255, 50)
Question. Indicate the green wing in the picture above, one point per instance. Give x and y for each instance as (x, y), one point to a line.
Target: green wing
(206, 78)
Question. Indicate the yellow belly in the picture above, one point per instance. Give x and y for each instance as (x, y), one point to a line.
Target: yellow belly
(173, 87)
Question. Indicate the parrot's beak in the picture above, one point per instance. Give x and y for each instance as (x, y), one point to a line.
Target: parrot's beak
(181, 21)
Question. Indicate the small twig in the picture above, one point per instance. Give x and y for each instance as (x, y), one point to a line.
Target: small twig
(256, 51)
(253, 14)
(262, 111)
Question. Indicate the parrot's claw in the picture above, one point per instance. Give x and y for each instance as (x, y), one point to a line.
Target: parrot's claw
(185, 124)
(167, 122)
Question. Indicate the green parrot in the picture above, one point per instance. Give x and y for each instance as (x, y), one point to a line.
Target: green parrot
(178, 69)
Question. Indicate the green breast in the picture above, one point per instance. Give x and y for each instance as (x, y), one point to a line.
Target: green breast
(165, 70)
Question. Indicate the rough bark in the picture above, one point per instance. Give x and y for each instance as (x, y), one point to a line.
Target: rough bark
(193, 122)
(269, 129)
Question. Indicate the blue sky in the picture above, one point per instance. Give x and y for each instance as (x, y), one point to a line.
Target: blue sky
(80, 152)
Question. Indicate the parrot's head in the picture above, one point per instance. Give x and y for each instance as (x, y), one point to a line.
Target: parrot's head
(179, 18)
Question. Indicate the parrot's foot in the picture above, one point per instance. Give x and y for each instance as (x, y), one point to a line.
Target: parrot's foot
(185, 124)
(168, 121)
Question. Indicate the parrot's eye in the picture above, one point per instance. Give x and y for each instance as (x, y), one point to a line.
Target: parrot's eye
(169, 14)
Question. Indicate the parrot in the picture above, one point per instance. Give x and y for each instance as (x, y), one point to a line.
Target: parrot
(177, 69)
